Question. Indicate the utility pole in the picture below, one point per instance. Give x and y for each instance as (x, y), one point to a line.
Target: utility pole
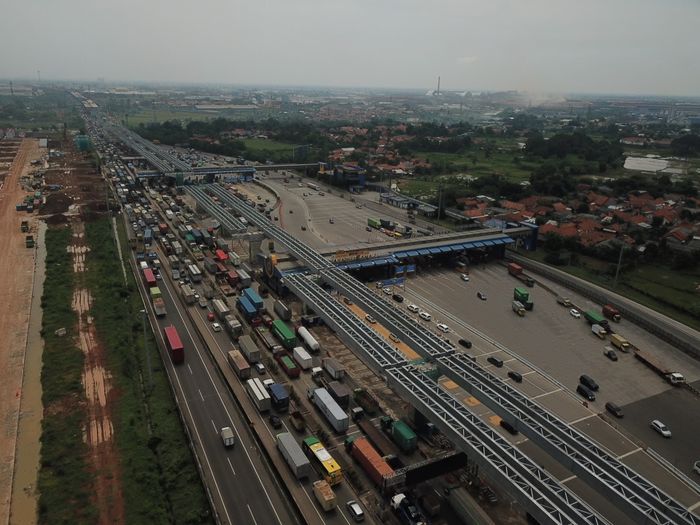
(148, 356)
(619, 264)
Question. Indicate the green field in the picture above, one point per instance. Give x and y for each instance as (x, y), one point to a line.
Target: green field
(267, 145)
(670, 292)
(161, 115)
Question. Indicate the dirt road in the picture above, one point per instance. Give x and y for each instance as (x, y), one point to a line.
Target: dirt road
(16, 279)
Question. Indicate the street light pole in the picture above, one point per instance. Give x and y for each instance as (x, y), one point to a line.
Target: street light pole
(619, 263)
(148, 356)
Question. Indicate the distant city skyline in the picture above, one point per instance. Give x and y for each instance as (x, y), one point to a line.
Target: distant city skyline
(634, 47)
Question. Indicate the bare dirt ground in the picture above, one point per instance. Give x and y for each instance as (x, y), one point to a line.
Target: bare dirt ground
(16, 275)
(99, 432)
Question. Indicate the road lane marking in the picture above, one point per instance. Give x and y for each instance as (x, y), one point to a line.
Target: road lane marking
(633, 451)
(251, 514)
(190, 369)
(200, 394)
(546, 393)
(231, 465)
(589, 416)
(214, 425)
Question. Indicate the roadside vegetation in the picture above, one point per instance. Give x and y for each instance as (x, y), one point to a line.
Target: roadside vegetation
(159, 477)
(48, 110)
(64, 480)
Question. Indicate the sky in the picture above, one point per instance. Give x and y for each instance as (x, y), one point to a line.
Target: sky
(541, 46)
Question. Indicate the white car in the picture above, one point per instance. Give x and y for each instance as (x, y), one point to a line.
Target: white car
(413, 308)
(387, 291)
(575, 313)
(370, 319)
(425, 316)
(216, 327)
(465, 277)
(443, 328)
(661, 428)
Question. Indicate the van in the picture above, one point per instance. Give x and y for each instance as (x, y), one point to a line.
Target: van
(614, 409)
(515, 376)
(425, 316)
(585, 392)
(495, 361)
(588, 382)
(510, 428)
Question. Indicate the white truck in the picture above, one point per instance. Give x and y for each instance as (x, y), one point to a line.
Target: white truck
(228, 437)
(302, 357)
(258, 393)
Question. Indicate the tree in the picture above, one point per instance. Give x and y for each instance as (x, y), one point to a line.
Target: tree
(686, 146)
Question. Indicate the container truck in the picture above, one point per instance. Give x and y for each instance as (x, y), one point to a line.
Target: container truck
(294, 456)
(249, 349)
(195, 273)
(518, 308)
(335, 415)
(258, 393)
(247, 309)
(620, 342)
(254, 298)
(232, 277)
(279, 396)
(235, 258)
(239, 364)
(244, 277)
(188, 294)
(174, 345)
(517, 271)
(221, 309)
(599, 331)
(594, 317)
(155, 293)
(333, 367)
(282, 311)
(401, 433)
(288, 366)
(372, 463)
(222, 245)
(197, 235)
(233, 327)
(269, 340)
(612, 313)
(159, 306)
(284, 334)
(383, 444)
(324, 495)
(297, 420)
(523, 296)
(340, 393)
(386, 224)
(147, 237)
(210, 265)
(374, 223)
(177, 247)
(308, 339)
(221, 256)
(149, 278)
(302, 357)
(672, 377)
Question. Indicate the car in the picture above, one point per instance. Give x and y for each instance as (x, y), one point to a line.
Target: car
(588, 382)
(303, 228)
(443, 328)
(575, 313)
(465, 277)
(210, 316)
(397, 297)
(276, 218)
(331, 220)
(355, 510)
(425, 316)
(368, 228)
(203, 302)
(495, 361)
(387, 291)
(394, 338)
(216, 327)
(159, 277)
(515, 376)
(259, 197)
(661, 428)
(275, 421)
(413, 308)
(260, 368)
(510, 428)
(291, 211)
(585, 392)
(614, 409)
(481, 295)
(370, 319)
(465, 343)
(610, 354)
(696, 467)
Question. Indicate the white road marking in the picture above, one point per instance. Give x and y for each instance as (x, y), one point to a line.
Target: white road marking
(546, 393)
(200, 395)
(190, 369)
(231, 465)
(633, 451)
(251, 514)
(589, 416)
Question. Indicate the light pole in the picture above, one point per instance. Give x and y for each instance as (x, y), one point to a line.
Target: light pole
(148, 356)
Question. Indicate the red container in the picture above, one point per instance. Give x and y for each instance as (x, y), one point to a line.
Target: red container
(373, 464)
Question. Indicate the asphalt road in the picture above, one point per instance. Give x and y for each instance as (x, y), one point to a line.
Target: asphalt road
(240, 478)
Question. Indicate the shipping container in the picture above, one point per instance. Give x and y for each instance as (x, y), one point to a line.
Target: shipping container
(279, 396)
(239, 364)
(335, 415)
(612, 313)
(249, 349)
(210, 265)
(244, 277)
(267, 339)
(254, 298)
(246, 308)
(302, 357)
(195, 273)
(288, 366)
(284, 334)
(374, 223)
(174, 344)
(594, 317)
(340, 393)
(294, 455)
(149, 278)
(402, 434)
(235, 260)
(324, 495)
(372, 463)
(233, 326)
(378, 438)
(222, 245)
(155, 292)
(308, 339)
(258, 393)
(334, 368)
(221, 309)
(188, 294)
(221, 256)
(282, 311)
(232, 277)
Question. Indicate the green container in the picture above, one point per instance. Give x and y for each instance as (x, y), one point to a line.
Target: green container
(374, 223)
(594, 317)
(284, 334)
(521, 294)
(403, 436)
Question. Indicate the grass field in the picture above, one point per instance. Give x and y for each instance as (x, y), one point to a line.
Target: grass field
(159, 478)
(64, 482)
(670, 292)
(267, 145)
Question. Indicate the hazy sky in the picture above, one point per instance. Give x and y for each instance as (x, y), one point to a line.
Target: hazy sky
(603, 46)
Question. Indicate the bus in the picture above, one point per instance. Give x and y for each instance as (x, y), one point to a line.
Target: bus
(313, 186)
(149, 278)
(174, 344)
(324, 462)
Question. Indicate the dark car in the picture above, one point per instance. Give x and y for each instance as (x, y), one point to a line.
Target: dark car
(510, 428)
(275, 421)
(588, 382)
(495, 361)
(465, 343)
(303, 228)
(585, 392)
(614, 409)
(610, 354)
(481, 295)
(515, 376)
(398, 298)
